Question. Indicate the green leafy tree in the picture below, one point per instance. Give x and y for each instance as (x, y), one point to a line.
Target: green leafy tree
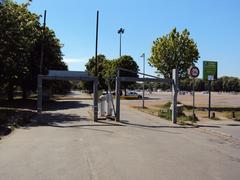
(217, 85)
(186, 84)
(199, 85)
(126, 62)
(18, 32)
(230, 84)
(174, 50)
(53, 60)
(20, 42)
(90, 68)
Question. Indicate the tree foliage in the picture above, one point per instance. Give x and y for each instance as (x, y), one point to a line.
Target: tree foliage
(126, 62)
(20, 41)
(107, 69)
(52, 59)
(18, 32)
(174, 50)
(223, 84)
(90, 68)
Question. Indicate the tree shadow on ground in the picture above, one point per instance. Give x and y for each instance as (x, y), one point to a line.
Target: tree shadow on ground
(50, 119)
(66, 121)
(29, 104)
(63, 105)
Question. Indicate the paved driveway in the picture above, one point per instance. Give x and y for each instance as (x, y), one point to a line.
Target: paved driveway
(63, 144)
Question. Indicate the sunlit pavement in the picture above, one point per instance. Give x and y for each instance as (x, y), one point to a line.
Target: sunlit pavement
(63, 144)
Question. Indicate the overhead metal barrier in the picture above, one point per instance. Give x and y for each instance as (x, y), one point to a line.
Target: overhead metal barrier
(173, 82)
(69, 75)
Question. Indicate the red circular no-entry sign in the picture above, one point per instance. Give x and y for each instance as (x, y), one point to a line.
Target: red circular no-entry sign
(194, 71)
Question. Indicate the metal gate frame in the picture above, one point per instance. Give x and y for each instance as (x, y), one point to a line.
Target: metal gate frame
(79, 78)
(173, 82)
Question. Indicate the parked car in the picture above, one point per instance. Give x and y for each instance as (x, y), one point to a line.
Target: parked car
(113, 93)
(134, 94)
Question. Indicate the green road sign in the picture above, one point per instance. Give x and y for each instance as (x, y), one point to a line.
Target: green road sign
(210, 70)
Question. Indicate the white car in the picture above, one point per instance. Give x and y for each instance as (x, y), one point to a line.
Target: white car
(134, 94)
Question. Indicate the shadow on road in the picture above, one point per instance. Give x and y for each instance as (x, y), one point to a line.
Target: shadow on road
(50, 119)
(66, 121)
(29, 104)
(208, 126)
(158, 128)
(151, 126)
(64, 105)
(233, 125)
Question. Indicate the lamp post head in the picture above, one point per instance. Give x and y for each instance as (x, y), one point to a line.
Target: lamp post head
(121, 31)
(143, 55)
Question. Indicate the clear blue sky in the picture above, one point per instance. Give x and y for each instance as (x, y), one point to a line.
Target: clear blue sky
(213, 24)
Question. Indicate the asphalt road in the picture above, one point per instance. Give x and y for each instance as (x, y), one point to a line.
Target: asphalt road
(63, 144)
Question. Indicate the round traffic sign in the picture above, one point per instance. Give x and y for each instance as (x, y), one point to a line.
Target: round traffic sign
(194, 72)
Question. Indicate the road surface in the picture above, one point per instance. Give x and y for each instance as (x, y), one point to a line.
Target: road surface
(63, 144)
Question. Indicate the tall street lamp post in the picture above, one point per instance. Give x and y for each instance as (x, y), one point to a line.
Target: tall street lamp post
(120, 32)
(143, 91)
(96, 47)
(43, 41)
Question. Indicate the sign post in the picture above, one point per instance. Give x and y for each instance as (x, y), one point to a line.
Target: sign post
(194, 73)
(209, 98)
(210, 74)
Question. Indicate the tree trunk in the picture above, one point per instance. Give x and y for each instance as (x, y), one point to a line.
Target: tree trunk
(10, 92)
(24, 93)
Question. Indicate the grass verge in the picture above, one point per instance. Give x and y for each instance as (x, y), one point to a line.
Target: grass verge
(165, 112)
(233, 115)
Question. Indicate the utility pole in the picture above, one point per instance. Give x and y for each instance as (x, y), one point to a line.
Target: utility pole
(96, 48)
(209, 98)
(143, 91)
(193, 72)
(120, 32)
(193, 91)
(43, 41)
